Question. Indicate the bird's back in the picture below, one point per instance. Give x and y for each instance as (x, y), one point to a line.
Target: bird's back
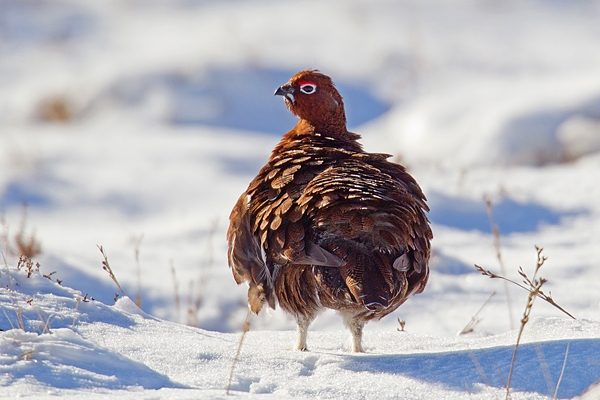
(326, 224)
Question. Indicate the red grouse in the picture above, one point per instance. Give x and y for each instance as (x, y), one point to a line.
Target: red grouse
(325, 224)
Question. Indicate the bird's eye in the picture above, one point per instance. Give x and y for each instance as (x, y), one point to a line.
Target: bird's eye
(308, 88)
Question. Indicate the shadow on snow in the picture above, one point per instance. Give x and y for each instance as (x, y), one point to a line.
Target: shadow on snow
(461, 370)
(509, 215)
(65, 360)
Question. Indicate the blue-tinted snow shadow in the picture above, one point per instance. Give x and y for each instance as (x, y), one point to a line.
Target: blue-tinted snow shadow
(39, 191)
(244, 165)
(104, 291)
(236, 97)
(76, 278)
(448, 265)
(25, 192)
(73, 363)
(90, 287)
(509, 215)
(531, 139)
(460, 370)
(30, 22)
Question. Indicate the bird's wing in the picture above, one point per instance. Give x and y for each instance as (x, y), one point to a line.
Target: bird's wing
(278, 221)
(369, 215)
(268, 228)
(246, 258)
(316, 255)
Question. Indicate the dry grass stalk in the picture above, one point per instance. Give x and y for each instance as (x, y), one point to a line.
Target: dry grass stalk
(479, 368)
(106, 267)
(27, 356)
(4, 233)
(496, 234)
(562, 371)
(544, 367)
(239, 349)
(24, 244)
(546, 297)
(15, 301)
(27, 246)
(402, 324)
(191, 315)
(470, 327)
(49, 276)
(26, 263)
(535, 285)
(176, 292)
(495, 367)
(75, 313)
(195, 294)
(8, 319)
(207, 263)
(56, 109)
(138, 297)
(45, 323)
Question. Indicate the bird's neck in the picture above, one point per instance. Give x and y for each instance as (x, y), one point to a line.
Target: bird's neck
(305, 133)
(335, 128)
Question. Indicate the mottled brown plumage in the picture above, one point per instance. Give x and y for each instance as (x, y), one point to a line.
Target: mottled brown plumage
(325, 224)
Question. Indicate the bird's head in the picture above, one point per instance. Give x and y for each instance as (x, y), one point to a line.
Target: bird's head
(312, 96)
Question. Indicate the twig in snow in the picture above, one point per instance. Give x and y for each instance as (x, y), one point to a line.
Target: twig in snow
(546, 297)
(239, 349)
(562, 371)
(106, 267)
(402, 324)
(75, 313)
(138, 297)
(470, 327)
(535, 285)
(175, 292)
(14, 297)
(496, 233)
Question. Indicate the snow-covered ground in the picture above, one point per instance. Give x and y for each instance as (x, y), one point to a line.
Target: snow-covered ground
(135, 126)
(95, 350)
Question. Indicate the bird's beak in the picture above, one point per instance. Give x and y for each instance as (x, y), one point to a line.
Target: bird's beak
(286, 91)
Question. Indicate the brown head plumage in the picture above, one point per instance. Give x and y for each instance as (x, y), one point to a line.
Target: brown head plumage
(325, 224)
(312, 96)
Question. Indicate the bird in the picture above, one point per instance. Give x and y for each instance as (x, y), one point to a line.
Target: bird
(325, 224)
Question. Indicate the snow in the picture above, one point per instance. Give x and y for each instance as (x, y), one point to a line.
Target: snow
(168, 113)
(94, 349)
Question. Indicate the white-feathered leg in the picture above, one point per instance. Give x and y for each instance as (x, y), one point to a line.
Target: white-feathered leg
(356, 327)
(303, 323)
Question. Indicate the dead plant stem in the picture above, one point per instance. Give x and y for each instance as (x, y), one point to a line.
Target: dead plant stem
(562, 371)
(239, 349)
(496, 233)
(535, 285)
(107, 268)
